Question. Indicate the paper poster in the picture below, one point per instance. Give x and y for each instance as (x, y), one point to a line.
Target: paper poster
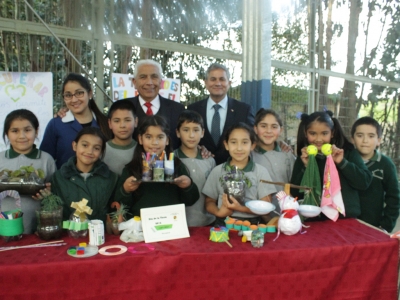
(122, 87)
(164, 223)
(29, 90)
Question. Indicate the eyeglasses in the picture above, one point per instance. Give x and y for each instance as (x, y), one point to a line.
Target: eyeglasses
(78, 94)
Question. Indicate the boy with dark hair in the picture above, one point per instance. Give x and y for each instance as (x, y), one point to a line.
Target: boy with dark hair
(381, 201)
(190, 130)
(122, 121)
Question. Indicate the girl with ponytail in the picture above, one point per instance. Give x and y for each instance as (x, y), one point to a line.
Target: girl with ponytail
(82, 112)
(321, 128)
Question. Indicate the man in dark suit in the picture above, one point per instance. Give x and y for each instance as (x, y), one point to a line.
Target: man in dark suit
(147, 80)
(230, 111)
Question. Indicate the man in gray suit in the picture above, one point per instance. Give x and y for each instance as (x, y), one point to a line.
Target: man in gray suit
(219, 111)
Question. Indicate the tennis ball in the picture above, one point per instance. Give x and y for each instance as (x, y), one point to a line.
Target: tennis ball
(326, 149)
(312, 150)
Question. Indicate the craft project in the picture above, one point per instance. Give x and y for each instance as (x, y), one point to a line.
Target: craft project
(142, 248)
(219, 235)
(312, 180)
(157, 168)
(260, 207)
(78, 222)
(289, 222)
(121, 249)
(257, 238)
(132, 230)
(332, 201)
(116, 217)
(26, 180)
(11, 222)
(82, 251)
(312, 150)
(234, 183)
(309, 211)
(326, 149)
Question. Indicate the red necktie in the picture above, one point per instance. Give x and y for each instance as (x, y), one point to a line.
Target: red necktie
(149, 112)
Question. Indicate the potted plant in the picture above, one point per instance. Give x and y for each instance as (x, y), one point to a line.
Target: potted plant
(116, 217)
(234, 183)
(49, 216)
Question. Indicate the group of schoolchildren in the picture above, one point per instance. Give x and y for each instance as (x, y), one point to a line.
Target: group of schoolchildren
(97, 159)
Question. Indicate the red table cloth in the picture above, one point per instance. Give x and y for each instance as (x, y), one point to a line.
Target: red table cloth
(332, 260)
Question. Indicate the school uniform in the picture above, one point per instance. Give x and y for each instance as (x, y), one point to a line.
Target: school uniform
(254, 172)
(154, 194)
(380, 203)
(59, 135)
(97, 186)
(279, 165)
(11, 160)
(353, 174)
(117, 156)
(199, 169)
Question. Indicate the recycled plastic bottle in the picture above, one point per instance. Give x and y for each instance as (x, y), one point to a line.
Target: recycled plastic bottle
(82, 222)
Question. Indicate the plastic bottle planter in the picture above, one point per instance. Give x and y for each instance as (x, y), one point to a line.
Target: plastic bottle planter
(11, 222)
(49, 224)
(78, 222)
(80, 226)
(236, 189)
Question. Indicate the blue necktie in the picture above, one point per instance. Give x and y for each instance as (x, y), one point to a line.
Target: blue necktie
(216, 124)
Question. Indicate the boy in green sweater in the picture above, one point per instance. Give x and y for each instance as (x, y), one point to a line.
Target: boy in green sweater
(381, 201)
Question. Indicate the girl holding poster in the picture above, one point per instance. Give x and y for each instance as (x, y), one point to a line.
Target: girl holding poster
(82, 112)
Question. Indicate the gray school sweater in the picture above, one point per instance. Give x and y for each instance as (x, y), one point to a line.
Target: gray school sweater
(9, 159)
(199, 169)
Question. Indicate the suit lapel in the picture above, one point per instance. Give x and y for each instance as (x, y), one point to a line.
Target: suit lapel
(164, 107)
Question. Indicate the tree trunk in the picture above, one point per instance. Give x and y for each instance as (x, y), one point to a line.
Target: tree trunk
(73, 15)
(321, 58)
(147, 17)
(349, 98)
(324, 81)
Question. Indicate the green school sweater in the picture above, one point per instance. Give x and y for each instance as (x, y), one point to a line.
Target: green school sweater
(153, 194)
(354, 177)
(380, 203)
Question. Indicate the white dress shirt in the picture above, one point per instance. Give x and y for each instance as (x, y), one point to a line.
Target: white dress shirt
(155, 104)
(222, 112)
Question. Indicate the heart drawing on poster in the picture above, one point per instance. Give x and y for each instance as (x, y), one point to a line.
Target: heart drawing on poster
(15, 92)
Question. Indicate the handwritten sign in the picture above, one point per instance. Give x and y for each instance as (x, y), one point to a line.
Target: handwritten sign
(123, 87)
(29, 90)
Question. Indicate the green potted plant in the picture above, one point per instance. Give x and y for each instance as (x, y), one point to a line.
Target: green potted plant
(50, 216)
(116, 217)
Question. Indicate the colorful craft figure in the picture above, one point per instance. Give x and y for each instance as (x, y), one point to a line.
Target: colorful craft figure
(81, 208)
(326, 149)
(289, 222)
(332, 201)
(312, 150)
